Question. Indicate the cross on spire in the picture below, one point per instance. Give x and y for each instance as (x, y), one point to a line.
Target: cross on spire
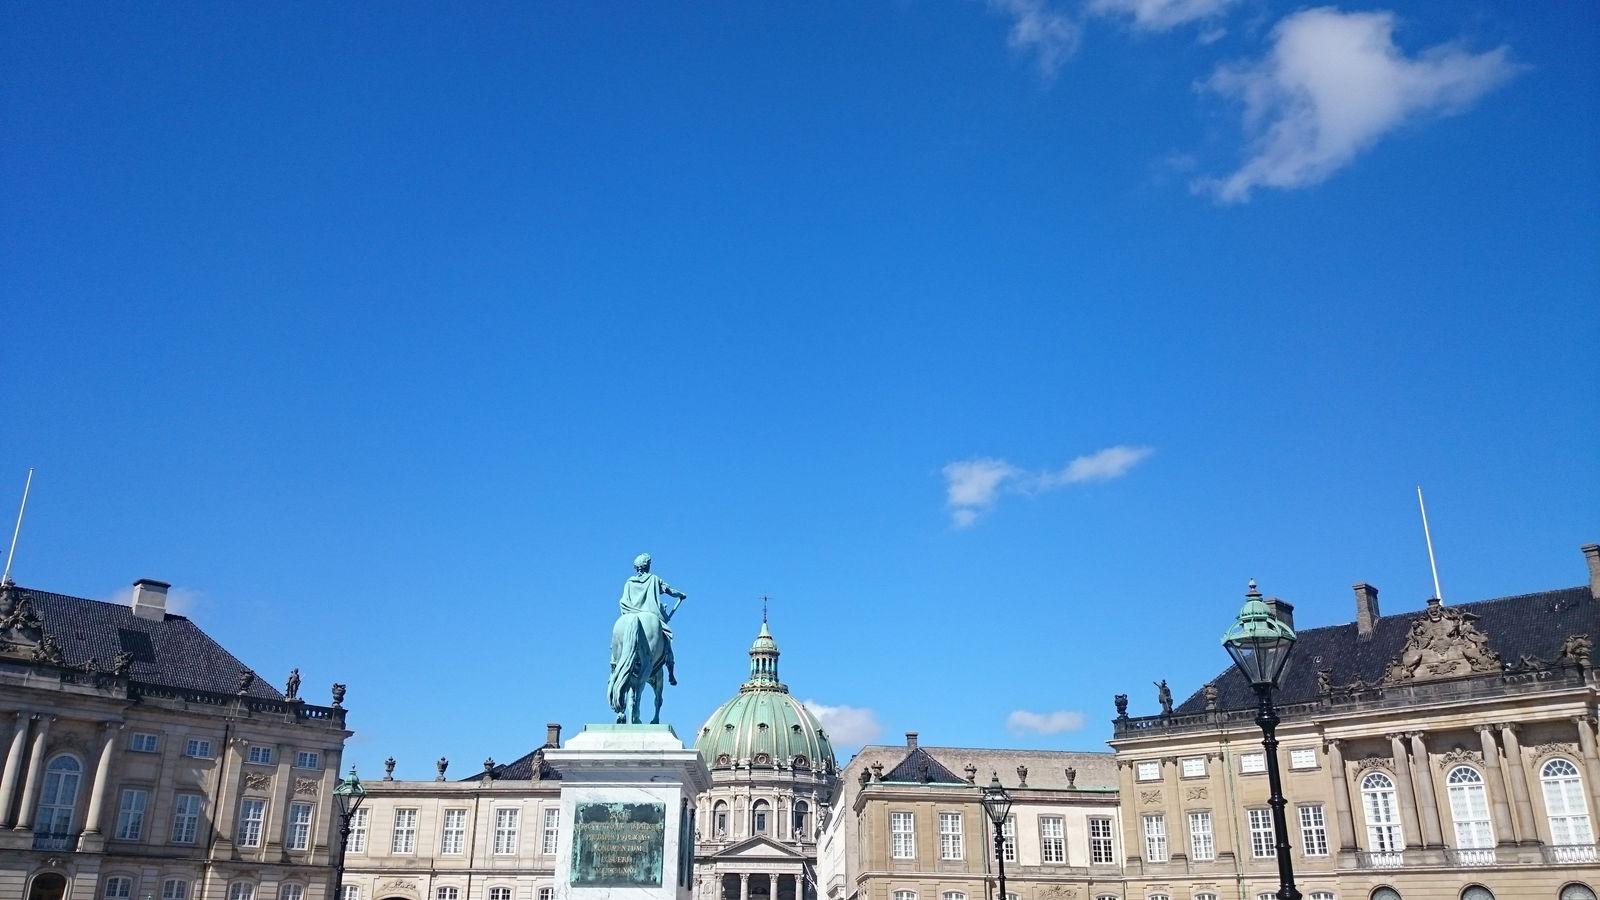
(764, 599)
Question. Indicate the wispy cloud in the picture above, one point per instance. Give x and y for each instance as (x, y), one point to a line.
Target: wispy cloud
(973, 486)
(1024, 721)
(1037, 28)
(1161, 15)
(1332, 85)
(847, 726)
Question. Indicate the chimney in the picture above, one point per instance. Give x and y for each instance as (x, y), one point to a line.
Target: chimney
(1281, 608)
(150, 599)
(1366, 610)
(552, 734)
(1591, 553)
(911, 740)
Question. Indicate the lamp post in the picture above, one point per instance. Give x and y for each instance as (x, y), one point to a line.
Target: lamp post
(348, 793)
(997, 803)
(1260, 644)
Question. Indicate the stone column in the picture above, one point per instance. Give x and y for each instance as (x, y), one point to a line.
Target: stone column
(1591, 761)
(1505, 833)
(1176, 822)
(1528, 827)
(1432, 833)
(102, 779)
(8, 782)
(35, 774)
(744, 886)
(772, 886)
(1408, 798)
(1341, 797)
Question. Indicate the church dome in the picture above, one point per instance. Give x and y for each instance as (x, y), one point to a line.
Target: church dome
(764, 726)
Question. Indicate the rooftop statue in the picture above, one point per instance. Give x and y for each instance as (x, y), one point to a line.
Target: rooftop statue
(641, 642)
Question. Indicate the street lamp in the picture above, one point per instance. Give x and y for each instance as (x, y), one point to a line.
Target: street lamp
(348, 793)
(1260, 644)
(997, 803)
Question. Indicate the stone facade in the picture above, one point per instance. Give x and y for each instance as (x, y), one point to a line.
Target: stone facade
(906, 826)
(1425, 753)
(128, 778)
(493, 836)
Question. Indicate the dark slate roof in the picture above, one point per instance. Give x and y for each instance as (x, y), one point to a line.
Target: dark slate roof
(519, 769)
(919, 766)
(172, 653)
(1528, 624)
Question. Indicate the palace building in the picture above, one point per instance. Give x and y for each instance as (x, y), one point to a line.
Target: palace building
(142, 760)
(1442, 753)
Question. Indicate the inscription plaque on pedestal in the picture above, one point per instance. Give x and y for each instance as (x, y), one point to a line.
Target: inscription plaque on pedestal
(618, 844)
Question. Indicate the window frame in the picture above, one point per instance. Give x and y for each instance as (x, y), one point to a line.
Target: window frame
(251, 827)
(550, 831)
(952, 842)
(1253, 762)
(131, 816)
(403, 833)
(307, 759)
(1263, 838)
(1008, 839)
(1155, 838)
(123, 882)
(267, 753)
(1569, 795)
(906, 835)
(1052, 842)
(453, 831)
(1106, 841)
(1313, 764)
(1467, 796)
(1202, 843)
(297, 833)
(1139, 770)
(198, 748)
(360, 829)
(181, 817)
(182, 893)
(1183, 767)
(1380, 807)
(1313, 835)
(507, 831)
(144, 737)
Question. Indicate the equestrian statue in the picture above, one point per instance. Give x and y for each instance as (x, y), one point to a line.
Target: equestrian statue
(641, 642)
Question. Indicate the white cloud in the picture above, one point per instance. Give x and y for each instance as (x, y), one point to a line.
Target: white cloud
(847, 726)
(1023, 721)
(973, 486)
(1036, 28)
(1331, 86)
(1104, 465)
(1161, 15)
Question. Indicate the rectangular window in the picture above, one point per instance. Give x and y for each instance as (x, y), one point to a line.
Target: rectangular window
(1052, 840)
(118, 888)
(144, 742)
(308, 759)
(252, 813)
(353, 892)
(951, 845)
(1149, 770)
(174, 889)
(185, 818)
(506, 822)
(902, 836)
(404, 839)
(358, 832)
(1263, 844)
(260, 755)
(299, 836)
(199, 748)
(1008, 839)
(1100, 848)
(547, 893)
(1155, 838)
(1202, 843)
(1252, 762)
(1194, 766)
(130, 814)
(499, 893)
(453, 835)
(1313, 831)
(552, 825)
(447, 893)
(1303, 758)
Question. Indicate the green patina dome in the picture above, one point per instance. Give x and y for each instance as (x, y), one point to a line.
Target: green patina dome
(764, 726)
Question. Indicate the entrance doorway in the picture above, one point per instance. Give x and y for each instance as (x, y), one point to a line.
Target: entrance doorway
(49, 886)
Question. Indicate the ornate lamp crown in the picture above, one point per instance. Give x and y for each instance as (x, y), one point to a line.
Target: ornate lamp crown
(1259, 641)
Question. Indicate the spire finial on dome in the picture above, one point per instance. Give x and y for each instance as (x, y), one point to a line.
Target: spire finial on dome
(764, 599)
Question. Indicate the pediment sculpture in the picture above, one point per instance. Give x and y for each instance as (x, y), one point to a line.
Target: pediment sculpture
(1442, 643)
(20, 628)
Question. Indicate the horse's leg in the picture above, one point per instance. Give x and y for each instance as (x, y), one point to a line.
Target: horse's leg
(638, 694)
(656, 683)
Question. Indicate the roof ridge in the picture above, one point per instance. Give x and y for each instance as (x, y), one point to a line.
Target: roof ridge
(1415, 612)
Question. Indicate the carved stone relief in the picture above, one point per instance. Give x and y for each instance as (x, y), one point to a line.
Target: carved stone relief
(1149, 796)
(1442, 643)
(305, 786)
(1376, 762)
(1195, 793)
(257, 781)
(1459, 755)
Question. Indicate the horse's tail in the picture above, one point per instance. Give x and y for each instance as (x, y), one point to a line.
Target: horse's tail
(625, 663)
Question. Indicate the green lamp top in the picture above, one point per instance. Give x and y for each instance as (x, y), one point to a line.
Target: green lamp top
(1257, 624)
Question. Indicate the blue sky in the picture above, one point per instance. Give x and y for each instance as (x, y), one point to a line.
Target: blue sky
(999, 343)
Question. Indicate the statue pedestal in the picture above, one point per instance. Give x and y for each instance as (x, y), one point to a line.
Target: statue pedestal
(627, 813)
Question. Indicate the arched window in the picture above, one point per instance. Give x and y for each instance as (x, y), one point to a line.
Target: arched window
(1322, 895)
(802, 825)
(1564, 803)
(1469, 808)
(759, 814)
(1383, 815)
(905, 895)
(1205, 896)
(719, 818)
(1384, 893)
(60, 795)
(954, 895)
(1476, 892)
(1577, 891)
(118, 887)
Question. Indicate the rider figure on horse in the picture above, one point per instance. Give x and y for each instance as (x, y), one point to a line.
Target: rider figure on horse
(642, 592)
